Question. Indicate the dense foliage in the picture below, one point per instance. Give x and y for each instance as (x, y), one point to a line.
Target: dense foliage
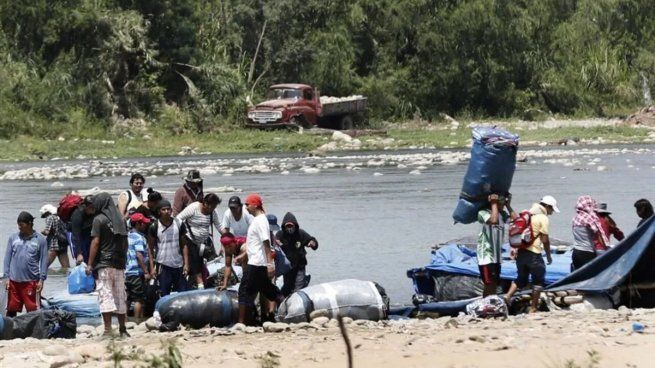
(187, 65)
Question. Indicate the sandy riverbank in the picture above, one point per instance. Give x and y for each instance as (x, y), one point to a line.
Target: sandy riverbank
(557, 339)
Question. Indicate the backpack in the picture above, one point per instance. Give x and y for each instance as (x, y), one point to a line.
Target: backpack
(520, 231)
(67, 205)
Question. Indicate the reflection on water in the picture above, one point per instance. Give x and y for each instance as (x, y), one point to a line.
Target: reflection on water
(375, 227)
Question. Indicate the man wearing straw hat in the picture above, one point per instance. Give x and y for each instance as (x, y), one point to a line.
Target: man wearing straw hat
(189, 192)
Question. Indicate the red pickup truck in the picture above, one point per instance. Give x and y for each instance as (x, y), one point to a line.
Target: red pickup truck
(293, 105)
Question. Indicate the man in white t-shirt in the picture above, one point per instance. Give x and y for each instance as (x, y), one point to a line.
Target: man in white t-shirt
(235, 220)
(261, 266)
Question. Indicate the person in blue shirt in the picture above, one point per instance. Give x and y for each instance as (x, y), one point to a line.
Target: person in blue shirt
(137, 269)
(26, 266)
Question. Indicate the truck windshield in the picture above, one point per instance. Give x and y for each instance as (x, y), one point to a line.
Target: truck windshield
(283, 93)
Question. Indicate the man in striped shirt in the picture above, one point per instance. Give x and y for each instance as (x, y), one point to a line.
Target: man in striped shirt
(490, 240)
(198, 219)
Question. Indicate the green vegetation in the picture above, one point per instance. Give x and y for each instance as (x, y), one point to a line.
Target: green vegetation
(184, 67)
(242, 140)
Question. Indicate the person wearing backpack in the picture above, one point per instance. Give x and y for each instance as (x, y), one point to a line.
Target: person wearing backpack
(198, 219)
(131, 199)
(490, 240)
(529, 261)
(55, 233)
(172, 258)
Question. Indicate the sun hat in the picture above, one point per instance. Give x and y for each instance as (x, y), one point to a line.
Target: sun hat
(193, 176)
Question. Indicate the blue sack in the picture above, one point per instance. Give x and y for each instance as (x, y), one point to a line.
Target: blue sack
(491, 168)
(282, 264)
(79, 282)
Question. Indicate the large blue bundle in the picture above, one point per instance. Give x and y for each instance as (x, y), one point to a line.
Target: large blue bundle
(491, 168)
(82, 305)
(197, 308)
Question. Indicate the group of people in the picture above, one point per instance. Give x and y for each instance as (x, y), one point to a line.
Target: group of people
(144, 247)
(592, 228)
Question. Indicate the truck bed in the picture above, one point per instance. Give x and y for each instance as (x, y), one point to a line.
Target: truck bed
(343, 105)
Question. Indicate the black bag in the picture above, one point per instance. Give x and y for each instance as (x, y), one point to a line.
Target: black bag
(41, 324)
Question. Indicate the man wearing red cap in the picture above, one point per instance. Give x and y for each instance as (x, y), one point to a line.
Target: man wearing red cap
(261, 266)
(137, 269)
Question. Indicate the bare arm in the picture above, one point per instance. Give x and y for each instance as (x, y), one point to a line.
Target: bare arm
(545, 240)
(95, 244)
(142, 265)
(122, 204)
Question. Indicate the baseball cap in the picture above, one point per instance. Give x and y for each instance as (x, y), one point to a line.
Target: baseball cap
(254, 200)
(551, 201)
(25, 217)
(272, 222)
(138, 217)
(234, 202)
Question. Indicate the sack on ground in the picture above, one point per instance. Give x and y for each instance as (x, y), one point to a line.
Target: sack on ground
(489, 307)
(79, 282)
(40, 324)
(197, 308)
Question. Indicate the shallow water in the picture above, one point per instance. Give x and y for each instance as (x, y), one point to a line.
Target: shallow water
(374, 222)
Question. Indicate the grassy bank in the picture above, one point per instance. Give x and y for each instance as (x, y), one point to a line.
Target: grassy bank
(253, 141)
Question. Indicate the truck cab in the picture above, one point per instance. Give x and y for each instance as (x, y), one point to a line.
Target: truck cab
(287, 105)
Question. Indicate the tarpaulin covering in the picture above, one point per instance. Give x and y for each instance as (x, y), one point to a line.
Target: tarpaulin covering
(456, 259)
(356, 299)
(40, 324)
(197, 308)
(82, 305)
(490, 170)
(632, 261)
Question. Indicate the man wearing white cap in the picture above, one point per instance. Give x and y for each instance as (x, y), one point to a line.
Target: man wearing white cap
(529, 261)
(55, 232)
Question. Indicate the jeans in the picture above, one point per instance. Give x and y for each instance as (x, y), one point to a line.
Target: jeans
(171, 278)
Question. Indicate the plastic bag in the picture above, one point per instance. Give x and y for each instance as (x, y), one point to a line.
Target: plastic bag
(489, 307)
(79, 282)
(282, 264)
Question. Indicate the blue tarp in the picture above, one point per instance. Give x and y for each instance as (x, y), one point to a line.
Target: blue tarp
(632, 260)
(83, 305)
(458, 259)
(490, 170)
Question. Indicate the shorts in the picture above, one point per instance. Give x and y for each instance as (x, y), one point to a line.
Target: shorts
(530, 264)
(135, 286)
(490, 273)
(110, 286)
(55, 247)
(22, 293)
(196, 262)
(255, 280)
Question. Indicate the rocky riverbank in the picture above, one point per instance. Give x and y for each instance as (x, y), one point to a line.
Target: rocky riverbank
(414, 162)
(597, 338)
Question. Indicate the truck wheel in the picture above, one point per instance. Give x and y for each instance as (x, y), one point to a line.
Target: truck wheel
(346, 123)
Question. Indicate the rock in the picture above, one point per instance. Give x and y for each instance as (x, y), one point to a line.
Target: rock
(319, 313)
(477, 338)
(54, 350)
(85, 329)
(347, 320)
(130, 325)
(332, 323)
(57, 184)
(341, 137)
(252, 329)
(320, 321)
(62, 360)
(239, 327)
(150, 324)
(275, 327)
(91, 351)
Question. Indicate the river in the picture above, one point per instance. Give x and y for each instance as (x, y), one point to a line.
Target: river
(373, 220)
